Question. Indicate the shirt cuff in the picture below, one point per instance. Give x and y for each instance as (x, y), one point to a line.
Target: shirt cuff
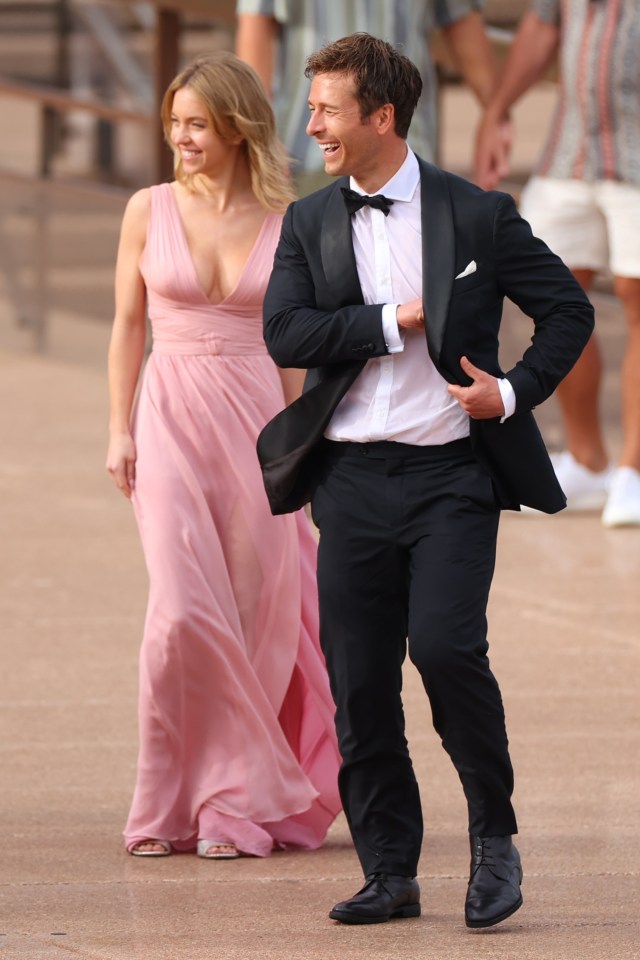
(508, 398)
(390, 328)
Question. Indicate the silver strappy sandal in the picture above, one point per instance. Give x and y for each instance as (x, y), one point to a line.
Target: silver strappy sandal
(226, 850)
(165, 844)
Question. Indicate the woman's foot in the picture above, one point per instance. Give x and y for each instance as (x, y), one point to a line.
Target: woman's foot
(151, 848)
(217, 850)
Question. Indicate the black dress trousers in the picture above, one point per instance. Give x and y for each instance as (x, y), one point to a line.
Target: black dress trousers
(406, 557)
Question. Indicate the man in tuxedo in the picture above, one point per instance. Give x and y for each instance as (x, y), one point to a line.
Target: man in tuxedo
(408, 447)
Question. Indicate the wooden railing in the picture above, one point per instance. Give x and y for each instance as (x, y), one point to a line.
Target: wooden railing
(58, 244)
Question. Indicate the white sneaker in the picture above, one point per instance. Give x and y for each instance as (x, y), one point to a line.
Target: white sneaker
(583, 488)
(623, 503)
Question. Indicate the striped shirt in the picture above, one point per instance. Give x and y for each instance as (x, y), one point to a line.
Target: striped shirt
(307, 25)
(595, 133)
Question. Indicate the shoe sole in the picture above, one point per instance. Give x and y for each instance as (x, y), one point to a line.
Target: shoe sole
(219, 856)
(150, 853)
(410, 910)
(479, 924)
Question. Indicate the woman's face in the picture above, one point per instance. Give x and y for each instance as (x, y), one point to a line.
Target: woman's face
(203, 151)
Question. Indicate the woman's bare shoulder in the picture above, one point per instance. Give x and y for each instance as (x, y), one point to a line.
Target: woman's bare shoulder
(136, 215)
(139, 203)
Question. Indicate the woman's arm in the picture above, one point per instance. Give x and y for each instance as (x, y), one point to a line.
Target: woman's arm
(126, 349)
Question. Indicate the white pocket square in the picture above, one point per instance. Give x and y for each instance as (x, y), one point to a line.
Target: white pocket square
(470, 268)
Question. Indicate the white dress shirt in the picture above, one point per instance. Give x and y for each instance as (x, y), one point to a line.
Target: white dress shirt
(400, 396)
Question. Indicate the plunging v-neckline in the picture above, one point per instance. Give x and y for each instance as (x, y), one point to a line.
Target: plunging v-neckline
(185, 240)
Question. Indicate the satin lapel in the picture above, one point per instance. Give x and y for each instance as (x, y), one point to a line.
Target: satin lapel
(438, 252)
(336, 250)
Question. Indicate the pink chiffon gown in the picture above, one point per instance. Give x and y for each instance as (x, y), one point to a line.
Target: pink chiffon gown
(237, 739)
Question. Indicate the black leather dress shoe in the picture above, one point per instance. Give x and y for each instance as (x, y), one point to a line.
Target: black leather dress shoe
(494, 885)
(383, 897)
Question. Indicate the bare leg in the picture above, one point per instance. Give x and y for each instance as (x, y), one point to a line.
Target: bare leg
(628, 290)
(578, 396)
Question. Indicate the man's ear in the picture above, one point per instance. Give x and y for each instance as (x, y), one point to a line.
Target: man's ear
(385, 118)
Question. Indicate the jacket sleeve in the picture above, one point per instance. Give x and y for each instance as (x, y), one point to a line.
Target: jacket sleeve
(538, 282)
(305, 324)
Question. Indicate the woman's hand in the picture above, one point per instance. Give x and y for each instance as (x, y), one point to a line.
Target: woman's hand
(121, 462)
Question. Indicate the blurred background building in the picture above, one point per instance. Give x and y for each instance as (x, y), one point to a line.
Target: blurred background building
(80, 87)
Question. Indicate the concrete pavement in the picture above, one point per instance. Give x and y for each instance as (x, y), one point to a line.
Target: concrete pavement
(565, 645)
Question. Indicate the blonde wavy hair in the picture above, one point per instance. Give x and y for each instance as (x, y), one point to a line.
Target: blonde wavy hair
(236, 102)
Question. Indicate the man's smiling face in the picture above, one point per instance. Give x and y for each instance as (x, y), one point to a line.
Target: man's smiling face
(349, 144)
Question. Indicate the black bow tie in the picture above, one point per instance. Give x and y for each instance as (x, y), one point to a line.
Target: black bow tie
(354, 201)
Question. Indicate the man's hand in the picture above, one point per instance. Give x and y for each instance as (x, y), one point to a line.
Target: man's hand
(482, 400)
(410, 316)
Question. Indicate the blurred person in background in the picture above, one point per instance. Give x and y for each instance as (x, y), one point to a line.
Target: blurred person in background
(237, 748)
(277, 36)
(584, 201)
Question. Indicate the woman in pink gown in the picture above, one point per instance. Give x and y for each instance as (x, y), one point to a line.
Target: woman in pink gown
(237, 746)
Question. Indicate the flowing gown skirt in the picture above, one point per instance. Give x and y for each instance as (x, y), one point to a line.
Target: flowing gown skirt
(236, 718)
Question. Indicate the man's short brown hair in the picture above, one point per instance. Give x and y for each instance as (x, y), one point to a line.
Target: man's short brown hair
(381, 74)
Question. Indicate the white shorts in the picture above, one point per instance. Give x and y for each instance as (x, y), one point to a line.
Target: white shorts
(591, 226)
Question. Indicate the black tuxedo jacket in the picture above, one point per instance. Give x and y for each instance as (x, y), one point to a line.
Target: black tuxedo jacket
(315, 318)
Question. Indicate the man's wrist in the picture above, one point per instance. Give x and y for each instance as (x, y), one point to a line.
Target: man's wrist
(390, 328)
(508, 398)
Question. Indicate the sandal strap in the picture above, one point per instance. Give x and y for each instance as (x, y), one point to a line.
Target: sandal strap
(205, 845)
(165, 844)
